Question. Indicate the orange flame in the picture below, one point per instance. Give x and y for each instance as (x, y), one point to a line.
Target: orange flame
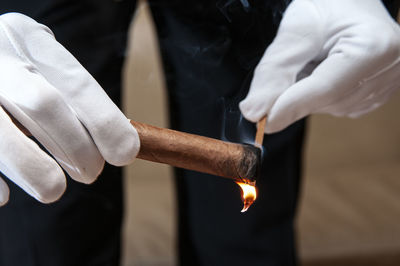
(249, 194)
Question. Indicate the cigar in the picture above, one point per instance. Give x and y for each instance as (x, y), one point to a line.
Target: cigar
(239, 162)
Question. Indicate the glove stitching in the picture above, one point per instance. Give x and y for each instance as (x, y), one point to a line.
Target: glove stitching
(21, 55)
(358, 87)
(383, 70)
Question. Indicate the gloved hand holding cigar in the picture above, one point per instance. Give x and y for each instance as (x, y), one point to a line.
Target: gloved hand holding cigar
(46, 89)
(340, 57)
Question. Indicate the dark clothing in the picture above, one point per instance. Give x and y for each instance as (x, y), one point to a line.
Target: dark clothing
(209, 51)
(392, 6)
(208, 60)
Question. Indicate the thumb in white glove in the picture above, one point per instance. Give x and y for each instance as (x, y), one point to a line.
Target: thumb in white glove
(346, 51)
(46, 89)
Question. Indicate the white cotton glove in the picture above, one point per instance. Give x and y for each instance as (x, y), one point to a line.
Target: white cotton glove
(347, 51)
(46, 89)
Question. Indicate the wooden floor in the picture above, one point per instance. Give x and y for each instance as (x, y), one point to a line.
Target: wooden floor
(351, 215)
(350, 203)
(350, 206)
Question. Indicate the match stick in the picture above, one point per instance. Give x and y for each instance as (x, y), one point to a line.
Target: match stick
(260, 132)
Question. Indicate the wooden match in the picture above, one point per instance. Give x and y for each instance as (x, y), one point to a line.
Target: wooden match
(260, 132)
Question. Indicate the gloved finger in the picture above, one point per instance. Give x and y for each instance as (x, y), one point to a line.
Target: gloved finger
(40, 108)
(4, 192)
(22, 161)
(327, 86)
(295, 45)
(114, 136)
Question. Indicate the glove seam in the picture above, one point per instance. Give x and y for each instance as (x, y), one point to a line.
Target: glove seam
(360, 84)
(6, 29)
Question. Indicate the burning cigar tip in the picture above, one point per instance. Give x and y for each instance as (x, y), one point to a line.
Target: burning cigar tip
(239, 162)
(248, 186)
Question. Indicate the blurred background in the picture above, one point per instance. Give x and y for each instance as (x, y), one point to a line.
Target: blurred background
(349, 210)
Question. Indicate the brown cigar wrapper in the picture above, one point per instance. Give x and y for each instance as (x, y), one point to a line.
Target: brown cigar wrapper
(193, 152)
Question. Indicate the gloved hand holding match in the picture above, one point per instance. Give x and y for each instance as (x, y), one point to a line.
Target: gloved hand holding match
(337, 57)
